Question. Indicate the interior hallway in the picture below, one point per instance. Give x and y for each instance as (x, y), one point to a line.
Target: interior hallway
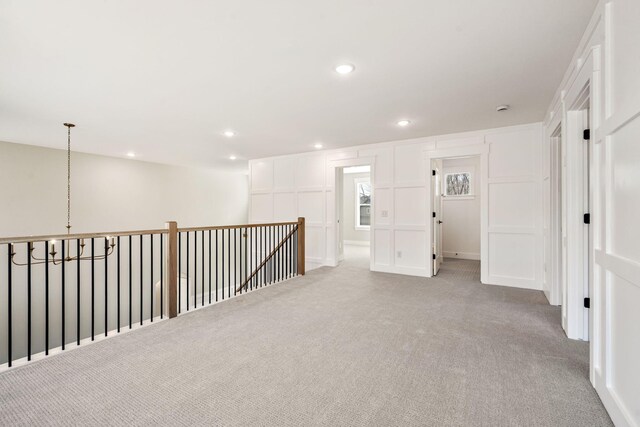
(339, 346)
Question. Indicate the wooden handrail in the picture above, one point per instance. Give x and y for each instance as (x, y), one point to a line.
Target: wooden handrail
(28, 239)
(236, 226)
(263, 263)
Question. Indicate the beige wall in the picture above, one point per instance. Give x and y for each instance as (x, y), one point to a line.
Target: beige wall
(111, 194)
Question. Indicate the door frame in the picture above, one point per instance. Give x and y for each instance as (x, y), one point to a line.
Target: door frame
(335, 167)
(436, 180)
(481, 150)
(576, 196)
(557, 228)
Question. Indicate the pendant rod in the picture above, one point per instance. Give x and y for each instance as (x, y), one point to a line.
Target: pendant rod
(69, 126)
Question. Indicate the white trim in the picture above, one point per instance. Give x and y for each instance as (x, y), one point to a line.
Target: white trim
(357, 243)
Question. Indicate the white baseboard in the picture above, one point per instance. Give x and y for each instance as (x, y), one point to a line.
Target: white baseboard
(356, 243)
(462, 255)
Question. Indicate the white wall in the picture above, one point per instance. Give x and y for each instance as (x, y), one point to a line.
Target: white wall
(351, 234)
(282, 188)
(111, 194)
(461, 215)
(607, 63)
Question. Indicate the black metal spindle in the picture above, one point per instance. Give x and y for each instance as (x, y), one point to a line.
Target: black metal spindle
(93, 284)
(29, 248)
(209, 266)
(195, 269)
(222, 250)
(281, 251)
(288, 251)
(141, 282)
(236, 260)
(118, 283)
(9, 305)
(106, 287)
(229, 262)
(130, 281)
(187, 271)
(46, 297)
(240, 240)
(179, 272)
(202, 275)
(161, 276)
(151, 278)
(78, 280)
(246, 250)
(251, 257)
(216, 265)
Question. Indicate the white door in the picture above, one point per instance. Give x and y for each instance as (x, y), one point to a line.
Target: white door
(437, 214)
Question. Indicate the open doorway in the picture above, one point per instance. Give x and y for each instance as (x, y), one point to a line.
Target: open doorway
(355, 214)
(456, 215)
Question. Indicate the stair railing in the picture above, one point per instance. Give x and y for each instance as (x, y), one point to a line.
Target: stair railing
(62, 291)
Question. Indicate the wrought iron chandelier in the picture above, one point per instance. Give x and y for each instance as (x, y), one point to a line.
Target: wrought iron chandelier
(109, 241)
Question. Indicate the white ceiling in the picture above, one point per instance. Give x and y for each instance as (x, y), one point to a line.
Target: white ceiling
(166, 78)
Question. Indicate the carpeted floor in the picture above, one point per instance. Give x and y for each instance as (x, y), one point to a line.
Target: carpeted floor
(340, 346)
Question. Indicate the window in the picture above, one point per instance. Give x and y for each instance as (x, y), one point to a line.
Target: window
(363, 204)
(457, 184)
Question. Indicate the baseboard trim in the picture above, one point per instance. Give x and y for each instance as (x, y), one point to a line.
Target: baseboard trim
(462, 255)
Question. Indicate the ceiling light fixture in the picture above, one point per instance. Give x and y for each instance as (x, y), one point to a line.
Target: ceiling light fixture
(403, 123)
(232, 157)
(317, 146)
(131, 154)
(229, 133)
(109, 242)
(345, 68)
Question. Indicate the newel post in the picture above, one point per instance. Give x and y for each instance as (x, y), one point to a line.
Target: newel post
(301, 246)
(172, 269)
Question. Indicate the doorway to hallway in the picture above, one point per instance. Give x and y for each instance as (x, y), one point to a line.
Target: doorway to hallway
(354, 214)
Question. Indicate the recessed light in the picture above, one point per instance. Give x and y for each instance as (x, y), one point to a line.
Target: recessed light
(317, 146)
(345, 68)
(131, 154)
(502, 107)
(232, 157)
(229, 133)
(403, 123)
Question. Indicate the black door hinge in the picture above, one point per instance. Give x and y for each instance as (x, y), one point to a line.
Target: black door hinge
(587, 303)
(433, 172)
(434, 214)
(434, 256)
(587, 218)
(586, 134)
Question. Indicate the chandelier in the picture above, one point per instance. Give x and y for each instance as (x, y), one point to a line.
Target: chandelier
(109, 244)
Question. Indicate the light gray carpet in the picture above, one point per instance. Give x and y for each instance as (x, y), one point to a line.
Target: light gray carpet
(339, 346)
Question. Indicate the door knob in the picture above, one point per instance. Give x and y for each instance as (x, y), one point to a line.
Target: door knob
(439, 222)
